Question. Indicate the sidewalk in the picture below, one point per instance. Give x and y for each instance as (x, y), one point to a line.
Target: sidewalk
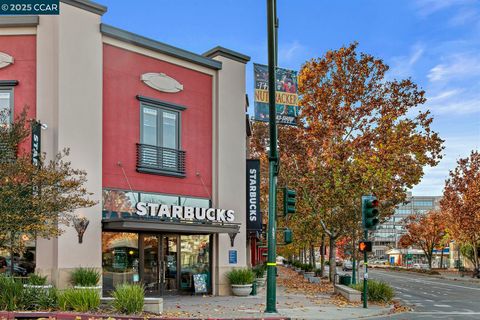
(296, 299)
(456, 276)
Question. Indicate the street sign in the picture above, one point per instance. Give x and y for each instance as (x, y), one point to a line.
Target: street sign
(365, 246)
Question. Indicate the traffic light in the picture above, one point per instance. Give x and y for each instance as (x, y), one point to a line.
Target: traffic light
(365, 246)
(289, 201)
(370, 212)
(287, 236)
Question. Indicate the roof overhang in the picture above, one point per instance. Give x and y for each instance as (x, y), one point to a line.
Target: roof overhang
(156, 225)
(158, 46)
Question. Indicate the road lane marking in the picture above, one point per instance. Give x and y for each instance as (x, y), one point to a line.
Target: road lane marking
(442, 305)
(433, 282)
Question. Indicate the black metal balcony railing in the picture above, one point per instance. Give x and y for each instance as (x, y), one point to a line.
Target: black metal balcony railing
(159, 160)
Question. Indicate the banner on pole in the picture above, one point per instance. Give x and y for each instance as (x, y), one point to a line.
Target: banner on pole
(286, 97)
(254, 216)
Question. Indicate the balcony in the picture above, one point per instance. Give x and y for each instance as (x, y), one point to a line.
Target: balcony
(161, 161)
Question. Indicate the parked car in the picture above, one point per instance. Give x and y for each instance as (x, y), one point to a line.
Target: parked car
(420, 266)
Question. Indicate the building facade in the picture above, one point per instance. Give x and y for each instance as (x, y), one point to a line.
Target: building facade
(389, 233)
(160, 131)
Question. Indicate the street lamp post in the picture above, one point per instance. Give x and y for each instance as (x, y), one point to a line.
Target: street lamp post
(273, 161)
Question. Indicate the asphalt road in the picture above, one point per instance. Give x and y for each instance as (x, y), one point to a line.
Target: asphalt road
(430, 297)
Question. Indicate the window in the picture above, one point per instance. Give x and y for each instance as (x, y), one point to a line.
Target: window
(6, 104)
(423, 203)
(160, 127)
(159, 148)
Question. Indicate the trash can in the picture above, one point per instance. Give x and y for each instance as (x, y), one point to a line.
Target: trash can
(345, 279)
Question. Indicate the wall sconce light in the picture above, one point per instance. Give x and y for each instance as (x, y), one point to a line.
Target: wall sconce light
(232, 238)
(80, 224)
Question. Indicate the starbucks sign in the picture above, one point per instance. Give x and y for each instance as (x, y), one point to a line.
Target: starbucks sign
(184, 213)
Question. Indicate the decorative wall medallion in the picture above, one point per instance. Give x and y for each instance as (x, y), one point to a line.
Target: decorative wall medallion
(161, 82)
(5, 60)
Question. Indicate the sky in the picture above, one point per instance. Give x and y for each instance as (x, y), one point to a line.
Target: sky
(435, 42)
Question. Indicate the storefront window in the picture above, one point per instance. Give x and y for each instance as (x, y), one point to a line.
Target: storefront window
(194, 202)
(120, 259)
(118, 203)
(158, 198)
(195, 259)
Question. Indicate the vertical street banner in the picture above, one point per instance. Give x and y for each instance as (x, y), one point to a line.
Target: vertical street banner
(254, 217)
(36, 135)
(286, 103)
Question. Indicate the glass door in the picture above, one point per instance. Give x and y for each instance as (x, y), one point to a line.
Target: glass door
(151, 275)
(159, 263)
(170, 269)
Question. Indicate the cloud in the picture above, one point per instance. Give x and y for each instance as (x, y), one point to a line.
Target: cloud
(402, 66)
(456, 66)
(465, 16)
(291, 51)
(428, 7)
(455, 148)
(445, 94)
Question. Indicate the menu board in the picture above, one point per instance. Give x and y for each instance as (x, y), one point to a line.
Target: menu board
(200, 283)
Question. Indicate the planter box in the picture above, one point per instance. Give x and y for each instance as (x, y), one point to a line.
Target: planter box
(314, 280)
(241, 290)
(34, 286)
(261, 281)
(96, 288)
(153, 305)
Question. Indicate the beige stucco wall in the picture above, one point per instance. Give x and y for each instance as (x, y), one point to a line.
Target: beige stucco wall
(230, 164)
(69, 101)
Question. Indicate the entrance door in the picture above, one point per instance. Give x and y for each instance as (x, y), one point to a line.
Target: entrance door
(151, 268)
(159, 264)
(170, 266)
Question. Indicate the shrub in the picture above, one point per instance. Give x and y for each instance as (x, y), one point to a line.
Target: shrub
(79, 300)
(241, 276)
(128, 298)
(11, 293)
(39, 298)
(259, 270)
(37, 280)
(377, 290)
(307, 267)
(85, 277)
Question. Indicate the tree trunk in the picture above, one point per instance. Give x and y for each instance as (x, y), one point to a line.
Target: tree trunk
(312, 256)
(322, 256)
(441, 259)
(333, 266)
(429, 259)
(475, 255)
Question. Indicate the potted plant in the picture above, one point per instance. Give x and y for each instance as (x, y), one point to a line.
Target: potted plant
(308, 271)
(259, 271)
(86, 278)
(36, 281)
(241, 281)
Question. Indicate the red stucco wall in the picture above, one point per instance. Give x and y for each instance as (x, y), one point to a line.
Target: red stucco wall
(121, 123)
(23, 50)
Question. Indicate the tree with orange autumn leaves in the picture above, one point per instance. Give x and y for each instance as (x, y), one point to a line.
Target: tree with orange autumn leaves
(425, 231)
(355, 136)
(461, 203)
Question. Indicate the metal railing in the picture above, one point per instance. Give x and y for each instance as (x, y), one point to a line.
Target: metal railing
(160, 159)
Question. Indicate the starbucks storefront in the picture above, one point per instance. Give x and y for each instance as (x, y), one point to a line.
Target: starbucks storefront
(161, 241)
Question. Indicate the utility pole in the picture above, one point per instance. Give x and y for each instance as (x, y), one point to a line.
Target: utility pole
(271, 305)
